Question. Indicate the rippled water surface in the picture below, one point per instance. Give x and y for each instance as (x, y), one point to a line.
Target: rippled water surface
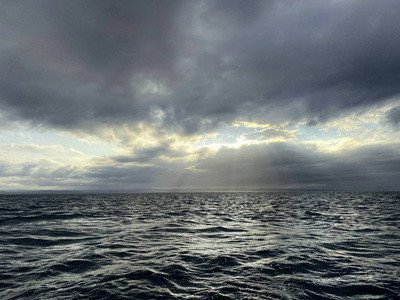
(200, 246)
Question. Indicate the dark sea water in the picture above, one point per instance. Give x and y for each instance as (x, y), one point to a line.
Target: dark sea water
(200, 246)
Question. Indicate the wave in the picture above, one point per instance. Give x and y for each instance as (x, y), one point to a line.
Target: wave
(200, 246)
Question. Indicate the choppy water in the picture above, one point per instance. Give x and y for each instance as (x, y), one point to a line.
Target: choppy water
(200, 246)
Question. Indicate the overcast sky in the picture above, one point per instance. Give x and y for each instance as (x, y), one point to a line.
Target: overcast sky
(207, 95)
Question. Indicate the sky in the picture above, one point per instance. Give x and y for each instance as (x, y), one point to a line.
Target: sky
(200, 95)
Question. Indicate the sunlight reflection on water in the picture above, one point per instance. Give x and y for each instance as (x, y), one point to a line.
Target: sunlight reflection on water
(200, 246)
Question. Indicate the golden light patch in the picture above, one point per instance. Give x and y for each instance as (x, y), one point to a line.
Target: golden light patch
(258, 125)
(194, 168)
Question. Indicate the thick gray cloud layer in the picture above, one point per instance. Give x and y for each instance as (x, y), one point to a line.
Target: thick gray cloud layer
(187, 67)
(393, 117)
(289, 166)
(272, 166)
(79, 64)
(67, 64)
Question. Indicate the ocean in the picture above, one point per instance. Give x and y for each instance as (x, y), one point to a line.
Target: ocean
(303, 245)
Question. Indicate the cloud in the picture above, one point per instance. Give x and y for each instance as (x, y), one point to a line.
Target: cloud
(148, 155)
(19, 153)
(41, 173)
(270, 134)
(289, 165)
(157, 78)
(263, 166)
(295, 166)
(393, 117)
(75, 65)
(297, 60)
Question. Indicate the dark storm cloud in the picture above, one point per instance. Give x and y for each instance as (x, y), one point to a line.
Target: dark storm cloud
(393, 117)
(271, 166)
(81, 64)
(67, 64)
(150, 154)
(282, 165)
(123, 177)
